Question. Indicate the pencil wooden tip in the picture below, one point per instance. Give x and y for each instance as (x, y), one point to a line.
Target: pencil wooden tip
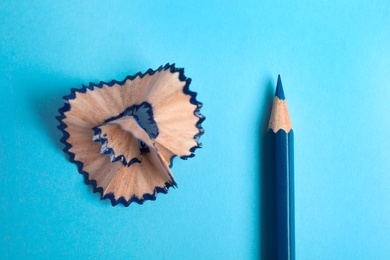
(280, 119)
(279, 89)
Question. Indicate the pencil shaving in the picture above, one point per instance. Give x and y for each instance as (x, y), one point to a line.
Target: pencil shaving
(124, 135)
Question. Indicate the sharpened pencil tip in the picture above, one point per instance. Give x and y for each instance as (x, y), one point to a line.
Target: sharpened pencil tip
(279, 89)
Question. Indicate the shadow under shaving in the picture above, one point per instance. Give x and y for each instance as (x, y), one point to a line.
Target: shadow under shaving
(267, 182)
(45, 104)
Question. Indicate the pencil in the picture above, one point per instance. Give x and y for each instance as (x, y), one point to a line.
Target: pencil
(281, 145)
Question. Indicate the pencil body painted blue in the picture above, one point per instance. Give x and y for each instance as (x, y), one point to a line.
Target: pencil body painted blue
(281, 165)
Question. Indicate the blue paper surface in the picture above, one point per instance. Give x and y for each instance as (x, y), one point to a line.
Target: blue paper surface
(334, 59)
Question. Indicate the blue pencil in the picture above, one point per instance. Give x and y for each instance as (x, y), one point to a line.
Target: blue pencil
(281, 144)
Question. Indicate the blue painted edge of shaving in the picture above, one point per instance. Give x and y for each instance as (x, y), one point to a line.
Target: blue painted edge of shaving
(65, 135)
(131, 110)
(197, 113)
(109, 151)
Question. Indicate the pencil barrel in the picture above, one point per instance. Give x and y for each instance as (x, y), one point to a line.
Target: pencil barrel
(281, 164)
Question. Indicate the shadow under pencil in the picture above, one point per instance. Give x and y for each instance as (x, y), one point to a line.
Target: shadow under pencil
(267, 183)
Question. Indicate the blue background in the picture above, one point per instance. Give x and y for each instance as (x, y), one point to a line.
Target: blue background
(334, 59)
